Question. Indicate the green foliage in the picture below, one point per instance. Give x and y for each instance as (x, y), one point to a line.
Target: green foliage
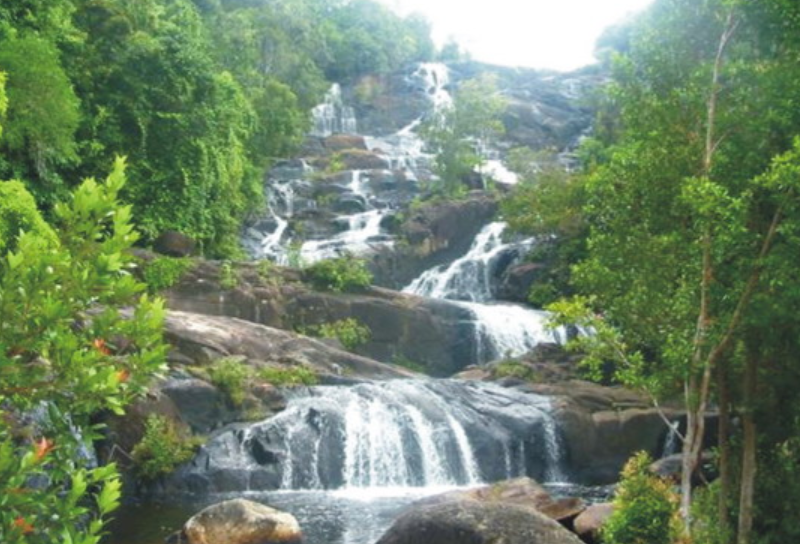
(350, 332)
(70, 507)
(42, 116)
(162, 448)
(548, 203)
(402, 360)
(164, 272)
(706, 526)
(459, 130)
(64, 343)
(514, 369)
(645, 508)
(3, 99)
(228, 278)
(339, 274)
(289, 376)
(18, 213)
(231, 375)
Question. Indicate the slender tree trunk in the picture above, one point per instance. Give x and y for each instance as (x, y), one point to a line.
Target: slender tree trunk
(749, 466)
(723, 437)
(698, 387)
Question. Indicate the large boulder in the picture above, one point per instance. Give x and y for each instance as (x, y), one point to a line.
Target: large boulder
(589, 523)
(205, 338)
(472, 522)
(436, 334)
(523, 492)
(240, 521)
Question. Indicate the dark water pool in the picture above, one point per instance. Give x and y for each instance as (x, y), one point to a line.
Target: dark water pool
(358, 516)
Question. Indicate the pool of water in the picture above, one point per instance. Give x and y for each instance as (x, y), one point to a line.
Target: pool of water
(357, 516)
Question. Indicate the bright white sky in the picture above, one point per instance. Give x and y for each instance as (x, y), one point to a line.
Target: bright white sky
(556, 34)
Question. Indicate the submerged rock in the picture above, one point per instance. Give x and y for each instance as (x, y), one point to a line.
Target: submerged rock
(240, 521)
(472, 522)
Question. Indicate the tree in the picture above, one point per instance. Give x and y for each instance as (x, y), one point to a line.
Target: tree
(43, 114)
(691, 208)
(459, 132)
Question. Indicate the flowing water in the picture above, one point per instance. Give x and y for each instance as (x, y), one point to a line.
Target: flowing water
(502, 329)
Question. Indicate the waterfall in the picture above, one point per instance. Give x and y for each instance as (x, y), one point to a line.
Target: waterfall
(466, 278)
(400, 434)
(501, 329)
(434, 78)
(671, 440)
(332, 116)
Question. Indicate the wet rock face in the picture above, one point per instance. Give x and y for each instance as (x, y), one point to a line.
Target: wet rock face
(471, 522)
(394, 434)
(434, 234)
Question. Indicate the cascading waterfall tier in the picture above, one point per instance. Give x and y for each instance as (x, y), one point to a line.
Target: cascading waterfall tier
(359, 232)
(332, 116)
(501, 329)
(399, 434)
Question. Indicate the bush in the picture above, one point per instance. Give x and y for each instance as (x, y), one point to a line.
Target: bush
(645, 508)
(162, 448)
(514, 369)
(164, 272)
(227, 275)
(231, 375)
(18, 213)
(295, 375)
(340, 274)
(350, 332)
(52, 354)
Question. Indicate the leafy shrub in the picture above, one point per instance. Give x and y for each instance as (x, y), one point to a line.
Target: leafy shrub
(706, 526)
(350, 332)
(340, 274)
(295, 375)
(514, 369)
(18, 213)
(51, 354)
(162, 448)
(645, 508)
(164, 272)
(227, 275)
(231, 375)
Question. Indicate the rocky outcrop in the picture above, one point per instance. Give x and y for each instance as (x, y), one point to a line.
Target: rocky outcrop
(205, 338)
(517, 280)
(472, 522)
(432, 333)
(589, 523)
(240, 521)
(604, 426)
(434, 233)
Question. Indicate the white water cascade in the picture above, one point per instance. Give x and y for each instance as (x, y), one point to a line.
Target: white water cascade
(501, 329)
(332, 116)
(390, 435)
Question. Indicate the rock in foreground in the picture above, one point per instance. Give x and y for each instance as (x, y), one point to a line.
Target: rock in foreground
(471, 522)
(523, 492)
(240, 521)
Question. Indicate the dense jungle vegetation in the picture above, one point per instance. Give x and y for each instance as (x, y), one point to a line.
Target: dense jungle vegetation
(677, 243)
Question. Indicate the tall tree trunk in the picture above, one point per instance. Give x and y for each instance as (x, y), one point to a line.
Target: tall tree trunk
(723, 437)
(749, 466)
